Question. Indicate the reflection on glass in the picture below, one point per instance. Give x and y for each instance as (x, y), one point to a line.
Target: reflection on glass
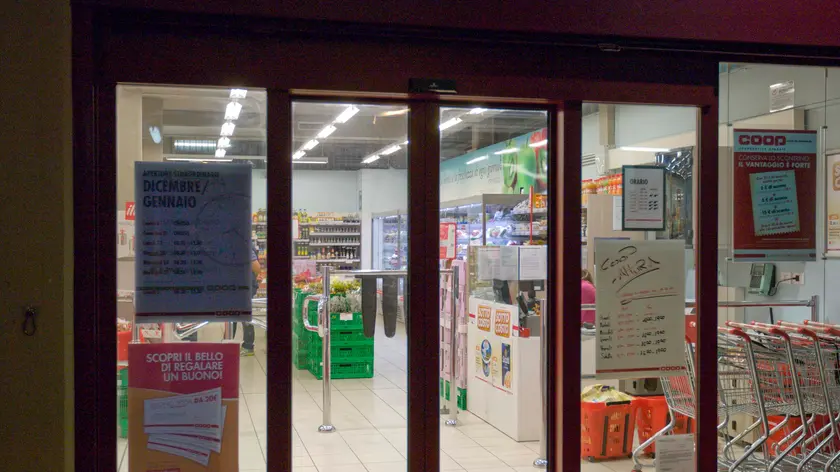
(190, 250)
(493, 190)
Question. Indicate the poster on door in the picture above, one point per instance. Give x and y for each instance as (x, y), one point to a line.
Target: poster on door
(640, 308)
(774, 195)
(833, 205)
(183, 407)
(194, 249)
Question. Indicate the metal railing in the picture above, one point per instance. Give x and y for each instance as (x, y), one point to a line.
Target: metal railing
(542, 461)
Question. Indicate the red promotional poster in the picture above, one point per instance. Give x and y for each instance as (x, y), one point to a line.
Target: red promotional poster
(447, 241)
(129, 211)
(774, 195)
(183, 407)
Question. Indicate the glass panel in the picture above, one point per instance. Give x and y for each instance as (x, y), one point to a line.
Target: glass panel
(793, 108)
(191, 251)
(350, 193)
(493, 191)
(639, 251)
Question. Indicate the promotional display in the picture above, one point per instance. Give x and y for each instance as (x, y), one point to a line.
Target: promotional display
(447, 241)
(775, 181)
(640, 306)
(643, 198)
(833, 205)
(183, 407)
(193, 227)
(509, 167)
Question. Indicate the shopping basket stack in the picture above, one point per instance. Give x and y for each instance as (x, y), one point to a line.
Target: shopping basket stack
(787, 378)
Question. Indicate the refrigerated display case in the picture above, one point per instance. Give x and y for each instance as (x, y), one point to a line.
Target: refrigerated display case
(494, 220)
(389, 241)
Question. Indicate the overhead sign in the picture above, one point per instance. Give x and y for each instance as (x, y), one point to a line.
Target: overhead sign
(639, 304)
(183, 407)
(643, 198)
(774, 195)
(193, 230)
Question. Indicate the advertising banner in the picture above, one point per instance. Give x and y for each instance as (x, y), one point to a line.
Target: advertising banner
(833, 205)
(640, 308)
(509, 167)
(193, 229)
(447, 241)
(183, 407)
(493, 349)
(775, 195)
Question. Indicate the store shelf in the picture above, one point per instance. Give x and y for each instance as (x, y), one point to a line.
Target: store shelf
(334, 234)
(333, 244)
(301, 258)
(301, 240)
(331, 224)
(337, 261)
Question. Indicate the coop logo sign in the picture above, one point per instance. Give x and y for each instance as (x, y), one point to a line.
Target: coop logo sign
(762, 140)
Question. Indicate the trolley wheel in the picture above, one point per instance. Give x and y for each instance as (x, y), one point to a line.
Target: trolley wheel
(590, 459)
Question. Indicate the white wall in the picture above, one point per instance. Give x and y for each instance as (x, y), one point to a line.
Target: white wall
(313, 191)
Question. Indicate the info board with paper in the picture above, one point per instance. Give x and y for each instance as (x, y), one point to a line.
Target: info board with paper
(183, 407)
(640, 304)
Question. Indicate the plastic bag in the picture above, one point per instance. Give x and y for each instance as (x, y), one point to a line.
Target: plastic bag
(604, 394)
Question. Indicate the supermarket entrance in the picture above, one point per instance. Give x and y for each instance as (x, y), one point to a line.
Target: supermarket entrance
(355, 166)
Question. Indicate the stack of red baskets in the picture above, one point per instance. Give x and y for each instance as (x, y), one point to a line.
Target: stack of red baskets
(607, 429)
(653, 416)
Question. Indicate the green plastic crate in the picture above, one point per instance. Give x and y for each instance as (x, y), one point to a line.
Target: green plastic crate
(343, 370)
(344, 335)
(122, 402)
(462, 394)
(340, 350)
(300, 351)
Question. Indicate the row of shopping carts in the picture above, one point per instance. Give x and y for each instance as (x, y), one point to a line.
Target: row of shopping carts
(788, 372)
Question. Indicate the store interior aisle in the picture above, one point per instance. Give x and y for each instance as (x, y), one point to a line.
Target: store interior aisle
(370, 419)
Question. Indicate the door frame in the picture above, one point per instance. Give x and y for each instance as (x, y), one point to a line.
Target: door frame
(113, 47)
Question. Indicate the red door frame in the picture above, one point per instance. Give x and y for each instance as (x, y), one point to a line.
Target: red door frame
(111, 48)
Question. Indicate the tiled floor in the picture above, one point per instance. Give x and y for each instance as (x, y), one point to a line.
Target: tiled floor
(370, 420)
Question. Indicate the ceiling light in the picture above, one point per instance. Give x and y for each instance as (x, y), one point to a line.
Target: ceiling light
(372, 158)
(390, 150)
(326, 132)
(154, 132)
(313, 160)
(223, 142)
(197, 159)
(643, 149)
(310, 144)
(220, 152)
(186, 143)
(227, 128)
(298, 154)
(477, 159)
(539, 143)
(346, 114)
(401, 111)
(405, 143)
(238, 93)
(507, 151)
(232, 110)
(477, 111)
(449, 123)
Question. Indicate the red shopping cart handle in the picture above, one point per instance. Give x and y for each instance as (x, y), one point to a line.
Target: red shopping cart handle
(772, 330)
(735, 332)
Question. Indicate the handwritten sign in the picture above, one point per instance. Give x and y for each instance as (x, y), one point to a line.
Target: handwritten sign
(640, 304)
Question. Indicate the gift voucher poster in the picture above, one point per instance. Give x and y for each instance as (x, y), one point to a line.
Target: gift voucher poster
(774, 195)
(833, 205)
(173, 391)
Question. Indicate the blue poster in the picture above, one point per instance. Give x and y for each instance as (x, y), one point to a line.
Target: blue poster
(194, 249)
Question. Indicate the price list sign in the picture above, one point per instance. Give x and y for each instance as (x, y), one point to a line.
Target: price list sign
(193, 228)
(774, 195)
(640, 308)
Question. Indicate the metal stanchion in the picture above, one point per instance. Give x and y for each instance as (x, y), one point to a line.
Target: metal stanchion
(453, 353)
(324, 326)
(541, 462)
(229, 330)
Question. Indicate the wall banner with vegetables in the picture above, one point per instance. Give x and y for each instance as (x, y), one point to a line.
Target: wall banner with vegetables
(775, 195)
(509, 167)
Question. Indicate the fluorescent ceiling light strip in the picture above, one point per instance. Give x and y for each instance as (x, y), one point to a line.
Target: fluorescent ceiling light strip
(405, 143)
(370, 159)
(450, 123)
(227, 128)
(238, 93)
(390, 150)
(643, 149)
(223, 142)
(402, 111)
(220, 152)
(507, 151)
(326, 132)
(197, 159)
(298, 154)
(348, 113)
(477, 159)
(477, 111)
(539, 143)
(196, 144)
(310, 144)
(310, 161)
(232, 110)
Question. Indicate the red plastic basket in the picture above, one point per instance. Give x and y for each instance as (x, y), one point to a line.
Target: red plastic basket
(652, 415)
(123, 340)
(606, 429)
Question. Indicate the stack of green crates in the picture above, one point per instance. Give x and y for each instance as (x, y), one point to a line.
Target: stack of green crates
(122, 402)
(300, 336)
(351, 351)
(462, 394)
